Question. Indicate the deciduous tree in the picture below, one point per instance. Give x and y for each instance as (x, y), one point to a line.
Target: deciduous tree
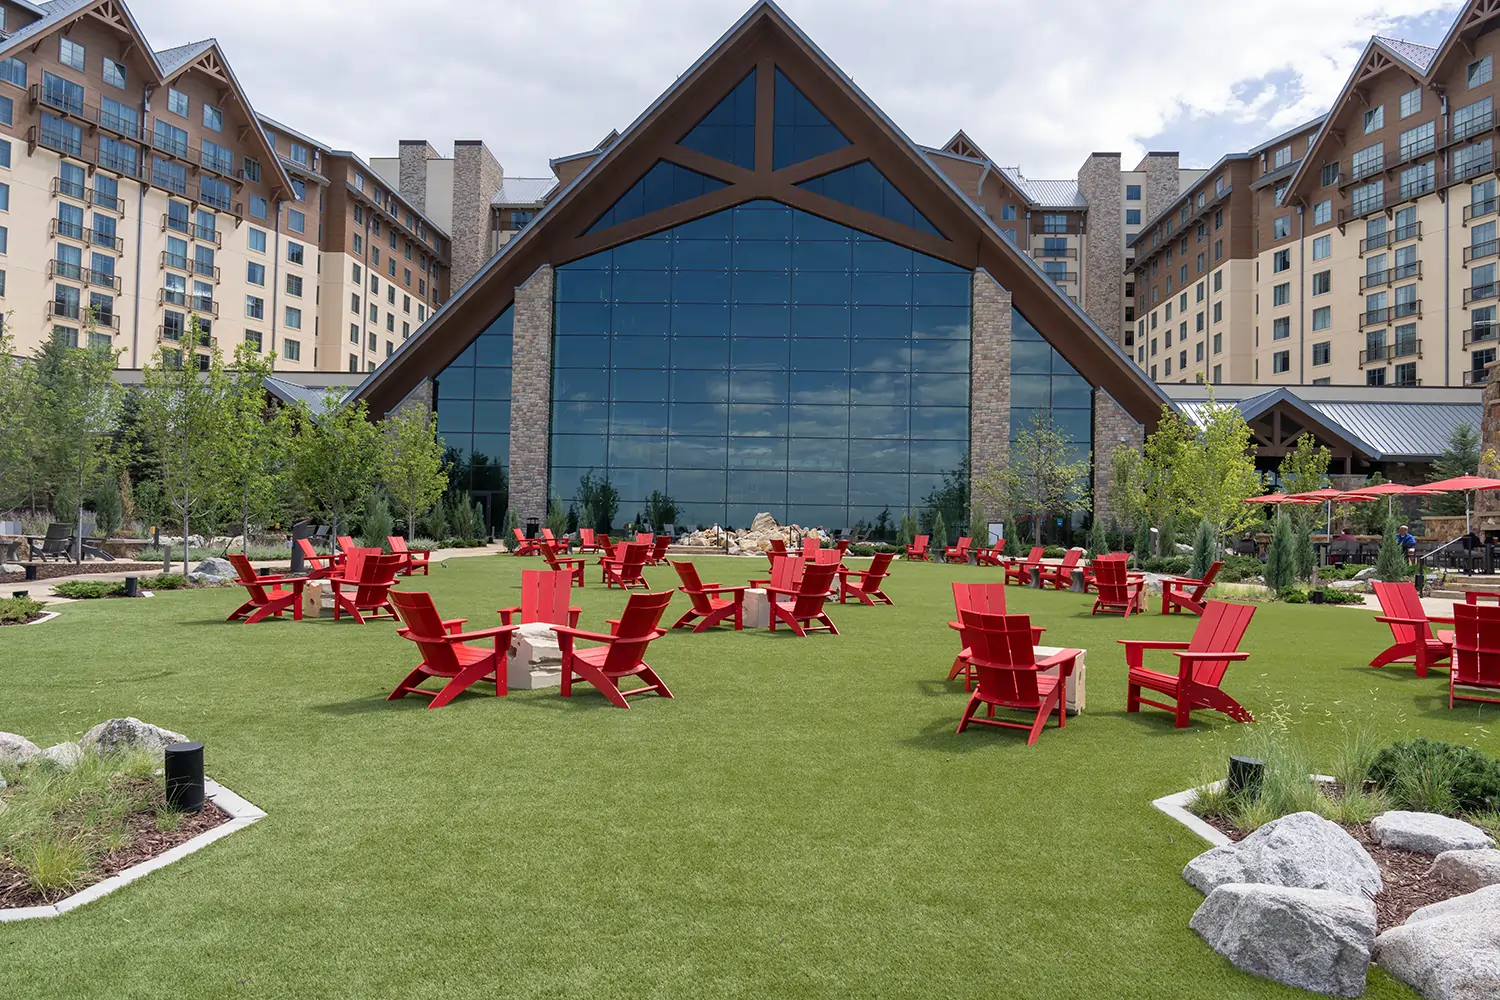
(335, 459)
(411, 463)
(1215, 471)
(1042, 478)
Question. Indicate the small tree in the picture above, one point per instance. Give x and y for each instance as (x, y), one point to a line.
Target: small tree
(19, 443)
(1391, 565)
(411, 463)
(1216, 471)
(939, 529)
(1307, 556)
(660, 510)
(251, 458)
(979, 528)
(1142, 544)
(1166, 539)
(1041, 479)
(335, 458)
(507, 530)
(906, 530)
(1098, 538)
(1127, 491)
(109, 511)
(1305, 467)
(557, 518)
(1166, 480)
(376, 525)
(1012, 543)
(1281, 560)
(1204, 548)
(1460, 457)
(185, 412)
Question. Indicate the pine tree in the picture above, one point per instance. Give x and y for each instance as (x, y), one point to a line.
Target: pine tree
(1203, 550)
(1281, 560)
(1166, 542)
(1307, 557)
(1142, 544)
(1391, 565)
(1012, 543)
(1098, 539)
(939, 530)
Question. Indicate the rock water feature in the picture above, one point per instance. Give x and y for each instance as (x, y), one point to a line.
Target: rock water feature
(753, 540)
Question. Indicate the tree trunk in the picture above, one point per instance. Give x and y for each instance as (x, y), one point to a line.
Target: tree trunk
(245, 521)
(78, 519)
(411, 519)
(184, 540)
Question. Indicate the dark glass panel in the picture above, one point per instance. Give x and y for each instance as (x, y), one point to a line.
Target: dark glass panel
(882, 322)
(876, 289)
(638, 385)
(940, 390)
(940, 356)
(818, 422)
(464, 360)
(1075, 425)
(800, 130)
(643, 286)
(578, 449)
(762, 255)
(770, 288)
(818, 488)
(821, 287)
(740, 515)
(701, 255)
(492, 383)
(864, 187)
(923, 484)
(700, 321)
(826, 388)
(950, 422)
(581, 384)
(700, 352)
(875, 490)
(821, 255)
(822, 321)
(457, 445)
(491, 415)
(1030, 391)
(1071, 392)
(663, 185)
(639, 352)
(757, 453)
(700, 387)
(760, 321)
(698, 453)
(1031, 356)
(455, 383)
(696, 487)
(638, 418)
(493, 351)
(582, 318)
(627, 451)
(878, 456)
(565, 480)
(762, 220)
(806, 226)
(708, 287)
(879, 389)
(757, 487)
(575, 285)
(823, 456)
(820, 355)
(1021, 328)
(878, 421)
(882, 355)
(759, 354)
(937, 456)
(699, 418)
(580, 418)
(728, 131)
(581, 352)
(601, 261)
(487, 468)
(757, 419)
(878, 255)
(931, 265)
(819, 516)
(456, 415)
(720, 225)
(642, 317)
(635, 485)
(942, 290)
(757, 387)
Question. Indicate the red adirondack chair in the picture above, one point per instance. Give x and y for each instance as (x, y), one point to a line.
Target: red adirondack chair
(865, 584)
(346, 544)
(370, 576)
(1200, 672)
(802, 609)
(992, 556)
(1019, 571)
(444, 653)
(1476, 654)
(1182, 593)
(810, 548)
(558, 564)
(606, 546)
(545, 595)
(526, 546)
(319, 567)
(658, 553)
(644, 538)
(917, 548)
(411, 559)
(842, 545)
(586, 542)
(708, 603)
(1118, 591)
(1060, 577)
(786, 573)
(959, 552)
(1008, 675)
(552, 541)
(625, 569)
(265, 603)
(987, 599)
(1412, 639)
(621, 655)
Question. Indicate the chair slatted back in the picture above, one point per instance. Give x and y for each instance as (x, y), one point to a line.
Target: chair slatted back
(919, 543)
(880, 568)
(586, 536)
(241, 564)
(1208, 578)
(1401, 600)
(1002, 656)
(547, 534)
(424, 626)
(545, 596)
(1476, 645)
(964, 544)
(1219, 631)
(607, 546)
(549, 553)
(659, 548)
(842, 545)
(984, 598)
(519, 537)
(354, 561)
(693, 587)
(827, 557)
(811, 547)
(786, 572)
(813, 591)
(308, 552)
(644, 537)
(1070, 560)
(1035, 558)
(346, 544)
(778, 547)
(398, 545)
(631, 560)
(375, 578)
(638, 626)
(1110, 576)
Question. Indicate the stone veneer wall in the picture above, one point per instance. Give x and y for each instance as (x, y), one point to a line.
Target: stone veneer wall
(1103, 264)
(477, 175)
(1487, 502)
(421, 396)
(413, 171)
(531, 395)
(1112, 428)
(1162, 184)
(989, 387)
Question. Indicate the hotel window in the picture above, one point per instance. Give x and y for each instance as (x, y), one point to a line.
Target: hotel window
(1281, 190)
(1281, 261)
(1375, 119)
(374, 313)
(1472, 119)
(70, 53)
(1281, 328)
(296, 221)
(1281, 294)
(257, 239)
(255, 273)
(301, 155)
(252, 340)
(1199, 323)
(114, 73)
(13, 71)
(291, 350)
(1481, 71)
(1218, 250)
(1132, 192)
(1167, 370)
(1220, 183)
(391, 267)
(1323, 212)
(294, 285)
(1406, 373)
(1322, 247)
(255, 307)
(1218, 219)
(354, 333)
(1281, 362)
(390, 294)
(390, 323)
(1322, 318)
(1368, 198)
(1281, 228)
(1330, 174)
(421, 312)
(1411, 102)
(372, 342)
(177, 102)
(1198, 291)
(1367, 161)
(217, 158)
(259, 208)
(1418, 141)
(1007, 213)
(1322, 282)
(1054, 223)
(1471, 160)
(1281, 157)
(1198, 351)
(7, 114)
(1218, 312)
(293, 318)
(294, 252)
(1418, 180)
(1322, 353)
(406, 303)
(299, 189)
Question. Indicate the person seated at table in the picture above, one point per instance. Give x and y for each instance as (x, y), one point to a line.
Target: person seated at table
(1470, 542)
(1407, 541)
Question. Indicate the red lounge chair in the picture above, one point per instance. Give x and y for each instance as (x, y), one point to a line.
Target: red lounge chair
(917, 550)
(987, 599)
(1200, 672)
(346, 544)
(644, 538)
(545, 595)
(1019, 571)
(371, 575)
(1060, 577)
(707, 602)
(1119, 592)
(625, 569)
(558, 564)
(992, 556)
(319, 567)
(444, 653)
(804, 605)
(778, 548)
(549, 539)
(1008, 674)
(865, 584)
(810, 548)
(606, 547)
(1476, 653)
(622, 652)
(1412, 640)
(266, 603)
(842, 545)
(526, 546)
(412, 559)
(658, 554)
(586, 541)
(786, 573)
(959, 552)
(1182, 593)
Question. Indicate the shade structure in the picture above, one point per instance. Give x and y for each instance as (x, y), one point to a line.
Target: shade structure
(1388, 490)
(1468, 484)
(1326, 495)
(1277, 499)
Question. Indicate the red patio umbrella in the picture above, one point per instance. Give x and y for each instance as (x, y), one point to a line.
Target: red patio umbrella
(1468, 484)
(1277, 499)
(1388, 490)
(1325, 495)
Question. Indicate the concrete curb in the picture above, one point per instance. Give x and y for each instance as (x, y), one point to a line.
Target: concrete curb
(241, 814)
(45, 618)
(1176, 806)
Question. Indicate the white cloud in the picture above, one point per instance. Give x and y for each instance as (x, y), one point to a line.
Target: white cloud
(1035, 84)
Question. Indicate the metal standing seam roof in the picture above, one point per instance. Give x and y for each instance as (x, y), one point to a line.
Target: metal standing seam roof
(1047, 194)
(290, 392)
(1419, 55)
(1382, 430)
(523, 190)
(173, 59)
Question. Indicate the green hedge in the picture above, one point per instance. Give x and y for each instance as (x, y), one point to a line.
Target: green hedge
(18, 609)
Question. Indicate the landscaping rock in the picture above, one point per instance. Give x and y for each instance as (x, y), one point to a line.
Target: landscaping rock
(1427, 833)
(535, 659)
(129, 734)
(64, 756)
(1313, 939)
(16, 749)
(1449, 950)
(1368, 573)
(215, 568)
(1300, 851)
(1467, 870)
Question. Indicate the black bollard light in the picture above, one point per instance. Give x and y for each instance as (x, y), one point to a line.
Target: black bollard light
(184, 776)
(20, 593)
(1245, 775)
(132, 586)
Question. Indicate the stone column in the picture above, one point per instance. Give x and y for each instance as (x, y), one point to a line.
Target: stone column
(989, 388)
(1487, 502)
(420, 396)
(1103, 265)
(1162, 184)
(477, 175)
(531, 396)
(1112, 428)
(413, 170)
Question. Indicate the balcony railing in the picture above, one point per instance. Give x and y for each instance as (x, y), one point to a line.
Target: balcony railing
(71, 189)
(1479, 293)
(1058, 277)
(1420, 147)
(1411, 231)
(164, 142)
(1476, 376)
(208, 161)
(64, 269)
(1369, 203)
(1418, 187)
(1407, 348)
(206, 269)
(67, 230)
(1374, 355)
(1374, 317)
(176, 261)
(221, 202)
(102, 279)
(164, 178)
(1477, 125)
(1404, 310)
(194, 231)
(1379, 279)
(1070, 253)
(62, 310)
(1375, 242)
(105, 240)
(126, 128)
(1469, 168)
(1405, 380)
(171, 297)
(1367, 168)
(171, 334)
(57, 98)
(1481, 333)
(1479, 251)
(204, 304)
(57, 140)
(1480, 209)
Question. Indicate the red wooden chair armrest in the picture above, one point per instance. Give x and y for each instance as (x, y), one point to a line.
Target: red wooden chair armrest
(451, 623)
(956, 626)
(483, 633)
(777, 591)
(1197, 655)
(297, 580)
(758, 583)
(1414, 622)
(570, 562)
(1058, 658)
(716, 589)
(1153, 643)
(578, 633)
(507, 612)
(1444, 619)
(1181, 581)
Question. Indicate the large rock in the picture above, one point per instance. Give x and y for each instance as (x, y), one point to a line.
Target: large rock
(1301, 851)
(535, 659)
(1449, 950)
(117, 735)
(763, 522)
(1467, 870)
(64, 756)
(215, 568)
(1313, 939)
(1427, 833)
(16, 749)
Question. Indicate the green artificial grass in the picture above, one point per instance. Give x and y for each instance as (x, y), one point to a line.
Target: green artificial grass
(801, 821)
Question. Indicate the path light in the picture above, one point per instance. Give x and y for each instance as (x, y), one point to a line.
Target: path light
(1245, 776)
(20, 593)
(184, 776)
(132, 586)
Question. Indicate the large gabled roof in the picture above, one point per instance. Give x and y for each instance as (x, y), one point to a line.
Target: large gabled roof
(764, 36)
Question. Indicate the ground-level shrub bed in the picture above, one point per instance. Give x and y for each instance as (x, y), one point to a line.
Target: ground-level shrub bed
(83, 590)
(19, 610)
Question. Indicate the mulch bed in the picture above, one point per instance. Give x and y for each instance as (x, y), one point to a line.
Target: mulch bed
(50, 571)
(146, 842)
(34, 618)
(1407, 885)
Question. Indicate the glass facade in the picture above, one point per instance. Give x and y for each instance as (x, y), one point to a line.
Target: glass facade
(728, 131)
(801, 130)
(664, 185)
(1043, 384)
(761, 359)
(863, 186)
(473, 410)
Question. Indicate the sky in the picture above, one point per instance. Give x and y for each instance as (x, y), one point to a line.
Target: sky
(1037, 85)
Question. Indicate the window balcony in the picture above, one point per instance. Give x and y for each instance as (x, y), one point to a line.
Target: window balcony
(171, 297)
(67, 230)
(71, 189)
(1469, 168)
(1406, 380)
(1418, 187)
(1377, 355)
(1401, 272)
(64, 269)
(205, 269)
(1376, 242)
(1477, 125)
(205, 234)
(1406, 348)
(1480, 293)
(220, 202)
(1374, 317)
(1480, 209)
(108, 202)
(204, 304)
(1421, 147)
(168, 181)
(102, 279)
(125, 128)
(1368, 204)
(62, 310)
(1059, 277)
(214, 164)
(105, 241)
(1405, 310)
(104, 320)
(172, 146)
(1481, 333)
(56, 140)
(170, 334)
(1366, 168)
(1411, 269)
(1068, 253)
(1412, 231)
(57, 98)
(1479, 251)
(1477, 376)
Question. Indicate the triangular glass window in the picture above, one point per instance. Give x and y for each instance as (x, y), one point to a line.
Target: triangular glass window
(864, 187)
(728, 131)
(801, 130)
(664, 184)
